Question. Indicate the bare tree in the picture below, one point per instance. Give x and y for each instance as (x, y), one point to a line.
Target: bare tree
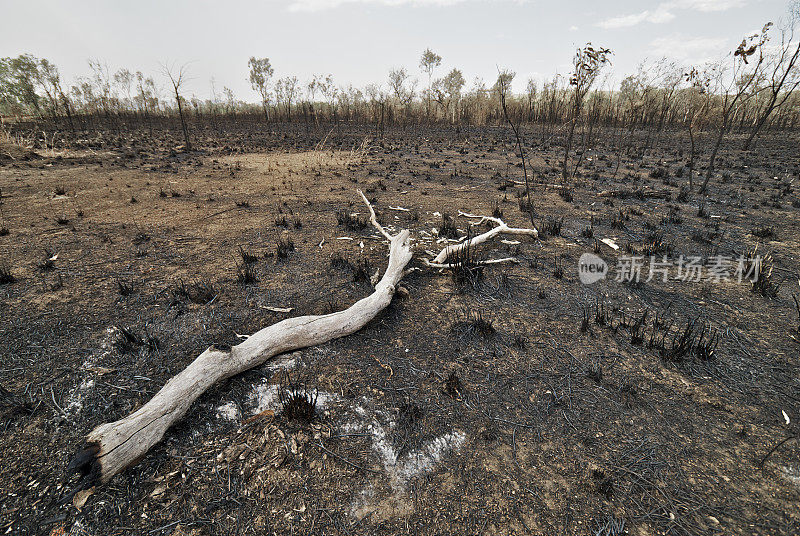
(503, 87)
(736, 85)
(177, 77)
(593, 110)
(397, 82)
(697, 103)
(41, 70)
(215, 101)
(350, 100)
(754, 88)
(260, 73)
(476, 102)
(669, 76)
(428, 63)
(783, 75)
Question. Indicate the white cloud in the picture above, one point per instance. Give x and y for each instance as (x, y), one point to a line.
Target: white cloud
(690, 49)
(708, 6)
(657, 16)
(322, 5)
(664, 12)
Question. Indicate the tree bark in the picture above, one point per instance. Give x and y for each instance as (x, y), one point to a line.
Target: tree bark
(715, 149)
(183, 121)
(112, 447)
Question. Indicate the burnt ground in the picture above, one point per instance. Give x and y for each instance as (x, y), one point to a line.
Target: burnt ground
(485, 406)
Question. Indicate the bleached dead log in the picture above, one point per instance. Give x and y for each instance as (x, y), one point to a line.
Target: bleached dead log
(430, 264)
(112, 447)
(501, 228)
(654, 194)
(554, 186)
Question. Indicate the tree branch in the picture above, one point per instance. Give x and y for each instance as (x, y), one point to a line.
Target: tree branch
(112, 447)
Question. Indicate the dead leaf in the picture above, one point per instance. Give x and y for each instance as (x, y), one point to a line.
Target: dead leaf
(80, 498)
(269, 414)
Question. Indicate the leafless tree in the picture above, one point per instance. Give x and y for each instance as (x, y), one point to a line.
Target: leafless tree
(476, 102)
(177, 77)
(754, 88)
(312, 86)
(736, 85)
(782, 73)
(669, 77)
(503, 87)
(146, 97)
(697, 102)
(231, 104)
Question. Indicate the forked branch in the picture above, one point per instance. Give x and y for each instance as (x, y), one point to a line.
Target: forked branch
(501, 228)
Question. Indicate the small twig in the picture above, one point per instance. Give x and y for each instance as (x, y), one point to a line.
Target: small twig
(514, 445)
(53, 396)
(343, 459)
(773, 449)
(373, 218)
(168, 525)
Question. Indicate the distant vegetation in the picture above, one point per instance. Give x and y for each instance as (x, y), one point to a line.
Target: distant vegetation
(751, 89)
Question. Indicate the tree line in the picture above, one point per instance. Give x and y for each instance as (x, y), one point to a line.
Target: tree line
(754, 87)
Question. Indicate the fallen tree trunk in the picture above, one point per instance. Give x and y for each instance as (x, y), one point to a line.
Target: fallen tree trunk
(501, 228)
(112, 447)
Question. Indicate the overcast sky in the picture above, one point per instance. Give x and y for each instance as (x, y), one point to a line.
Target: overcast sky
(359, 41)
